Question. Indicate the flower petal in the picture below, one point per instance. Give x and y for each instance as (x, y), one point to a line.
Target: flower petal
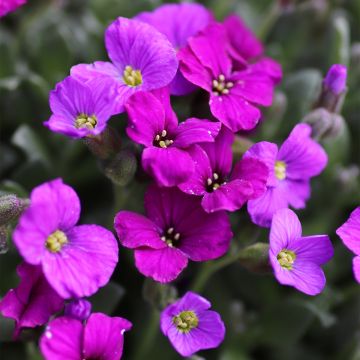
(162, 265)
(269, 67)
(135, 230)
(356, 268)
(349, 232)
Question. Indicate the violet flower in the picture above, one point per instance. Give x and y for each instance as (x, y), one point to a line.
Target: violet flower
(178, 22)
(246, 50)
(101, 337)
(142, 58)
(7, 6)
(76, 260)
(349, 233)
(175, 229)
(290, 169)
(153, 123)
(234, 95)
(33, 302)
(78, 309)
(191, 326)
(81, 109)
(297, 260)
(213, 180)
(335, 80)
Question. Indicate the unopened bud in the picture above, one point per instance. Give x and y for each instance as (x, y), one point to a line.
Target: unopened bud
(256, 258)
(158, 295)
(78, 309)
(11, 207)
(4, 247)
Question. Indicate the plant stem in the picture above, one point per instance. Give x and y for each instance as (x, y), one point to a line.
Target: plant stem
(269, 20)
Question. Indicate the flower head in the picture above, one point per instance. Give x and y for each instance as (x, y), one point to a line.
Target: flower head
(76, 260)
(7, 6)
(234, 95)
(80, 109)
(33, 302)
(349, 233)
(153, 123)
(213, 180)
(297, 260)
(191, 326)
(290, 169)
(101, 337)
(175, 229)
(178, 22)
(335, 80)
(142, 58)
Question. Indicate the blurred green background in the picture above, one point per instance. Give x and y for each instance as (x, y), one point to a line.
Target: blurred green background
(38, 45)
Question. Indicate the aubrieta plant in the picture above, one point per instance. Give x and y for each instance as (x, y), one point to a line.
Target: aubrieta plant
(195, 180)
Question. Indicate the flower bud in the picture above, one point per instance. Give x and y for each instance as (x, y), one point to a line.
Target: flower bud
(335, 80)
(158, 295)
(4, 247)
(256, 258)
(78, 309)
(11, 207)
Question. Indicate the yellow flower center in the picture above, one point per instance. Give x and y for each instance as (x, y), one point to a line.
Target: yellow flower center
(86, 121)
(280, 170)
(132, 77)
(186, 321)
(286, 259)
(220, 86)
(56, 241)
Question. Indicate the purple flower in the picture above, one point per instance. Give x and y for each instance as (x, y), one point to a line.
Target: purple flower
(178, 22)
(33, 302)
(7, 6)
(246, 50)
(297, 260)
(234, 95)
(290, 169)
(154, 124)
(176, 229)
(350, 236)
(80, 109)
(78, 309)
(191, 326)
(102, 337)
(335, 79)
(142, 59)
(76, 260)
(212, 180)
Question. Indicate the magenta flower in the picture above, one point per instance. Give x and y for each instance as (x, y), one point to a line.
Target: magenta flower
(350, 236)
(191, 326)
(101, 337)
(335, 80)
(213, 180)
(7, 6)
(290, 169)
(246, 50)
(78, 309)
(154, 124)
(33, 302)
(176, 229)
(234, 95)
(178, 22)
(76, 260)
(80, 109)
(297, 260)
(142, 60)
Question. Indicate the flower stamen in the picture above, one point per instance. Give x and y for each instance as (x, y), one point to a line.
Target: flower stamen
(286, 259)
(186, 321)
(132, 77)
(170, 237)
(220, 86)
(85, 121)
(56, 241)
(280, 170)
(162, 141)
(214, 182)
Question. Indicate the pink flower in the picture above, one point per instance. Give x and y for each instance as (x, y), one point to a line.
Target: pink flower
(7, 6)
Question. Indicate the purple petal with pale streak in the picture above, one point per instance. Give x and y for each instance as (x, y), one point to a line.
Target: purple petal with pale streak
(349, 232)
(147, 118)
(137, 44)
(194, 131)
(104, 337)
(135, 230)
(83, 265)
(285, 231)
(62, 339)
(267, 153)
(196, 184)
(162, 265)
(169, 167)
(220, 152)
(33, 302)
(234, 112)
(62, 125)
(193, 70)
(303, 156)
(296, 192)
(254, 171)
(317, 249)
(230, 196)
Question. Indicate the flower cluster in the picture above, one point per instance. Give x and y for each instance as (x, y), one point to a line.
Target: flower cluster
(172, 51)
